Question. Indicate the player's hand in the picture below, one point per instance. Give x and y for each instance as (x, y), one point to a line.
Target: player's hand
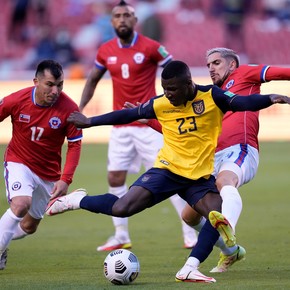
(279, 99)
(60, 188)
(79, 120)
(128, 105)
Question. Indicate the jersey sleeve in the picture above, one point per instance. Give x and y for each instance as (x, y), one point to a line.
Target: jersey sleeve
(100, 60)
(264, 73)
(72, 160)
(159, 54)
(6, 106)
(277, 73)
(125, 116)
(228, 101)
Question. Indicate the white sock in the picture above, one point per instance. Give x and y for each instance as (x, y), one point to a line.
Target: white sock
(192, 262)
(188, 232)
(232, 204)
(120, 224)
(19, 233)
(8, 223)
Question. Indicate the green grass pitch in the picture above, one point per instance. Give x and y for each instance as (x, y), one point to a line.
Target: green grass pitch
(62, 254)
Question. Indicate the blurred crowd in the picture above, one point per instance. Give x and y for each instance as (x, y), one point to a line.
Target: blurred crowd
(70, 31)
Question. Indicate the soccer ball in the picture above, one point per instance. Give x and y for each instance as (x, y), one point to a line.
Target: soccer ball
(121, 267)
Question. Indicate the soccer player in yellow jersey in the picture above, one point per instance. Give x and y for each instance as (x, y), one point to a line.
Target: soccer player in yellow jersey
(191, 118)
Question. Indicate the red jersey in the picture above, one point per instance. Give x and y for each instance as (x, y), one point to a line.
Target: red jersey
(39, 133)
(132, 68)
(243, 127)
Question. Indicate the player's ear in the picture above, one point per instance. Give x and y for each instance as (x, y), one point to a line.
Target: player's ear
(35, 81)
(233, 65)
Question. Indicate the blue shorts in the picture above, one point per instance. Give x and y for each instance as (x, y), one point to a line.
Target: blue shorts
(162, 184)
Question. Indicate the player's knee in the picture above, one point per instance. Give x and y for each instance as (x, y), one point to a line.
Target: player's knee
(116, 179)
(190, 217)
(226, 179)
(121, 210)
(29, 228)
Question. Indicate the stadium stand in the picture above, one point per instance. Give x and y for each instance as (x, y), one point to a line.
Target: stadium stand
(187, 40)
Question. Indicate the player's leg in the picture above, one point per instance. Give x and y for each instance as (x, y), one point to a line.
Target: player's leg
(19, 186)
(148, 142)
(204, 203)
(121, 156)
(238, 165)
(189, 233)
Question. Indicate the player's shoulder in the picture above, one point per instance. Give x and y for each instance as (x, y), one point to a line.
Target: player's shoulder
(204, 88)
(67, 101)
(20, 95)
(249, 67)
(107, 45)
(147, 40)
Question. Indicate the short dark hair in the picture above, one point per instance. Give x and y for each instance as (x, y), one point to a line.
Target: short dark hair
(48, 64)
(122, 3)
(175, 68)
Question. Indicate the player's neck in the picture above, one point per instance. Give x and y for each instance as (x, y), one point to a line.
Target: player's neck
(129, 40)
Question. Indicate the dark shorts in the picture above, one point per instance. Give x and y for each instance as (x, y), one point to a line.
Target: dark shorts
(163, 184)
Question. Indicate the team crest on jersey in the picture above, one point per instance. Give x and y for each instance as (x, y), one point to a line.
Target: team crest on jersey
(24, 118)
(230, 84)
(54, 122)
(198, 107)
(139, 57)
(16, 186)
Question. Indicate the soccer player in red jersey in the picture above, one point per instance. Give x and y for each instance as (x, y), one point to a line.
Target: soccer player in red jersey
(237, 153)
(132, 60)
(32, 161)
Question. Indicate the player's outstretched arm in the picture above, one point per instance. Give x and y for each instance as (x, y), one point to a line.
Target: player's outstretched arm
(118, 117)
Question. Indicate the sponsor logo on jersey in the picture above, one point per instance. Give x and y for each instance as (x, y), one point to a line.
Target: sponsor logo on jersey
(229, 94)
(16, 186)
(171, 111)
(112, 60)
(230, 84)
(164, 162)
(24, 118)
(163, 51)
(198, 107)
(139, 57)
(54, 122)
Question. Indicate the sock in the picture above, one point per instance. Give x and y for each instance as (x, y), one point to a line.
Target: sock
(19, 233)
(199, 226)
(8, 224)
(192, 262)
(99, 203)
(120, 224)
(189, 233)
(232, 204)
(206, 240)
